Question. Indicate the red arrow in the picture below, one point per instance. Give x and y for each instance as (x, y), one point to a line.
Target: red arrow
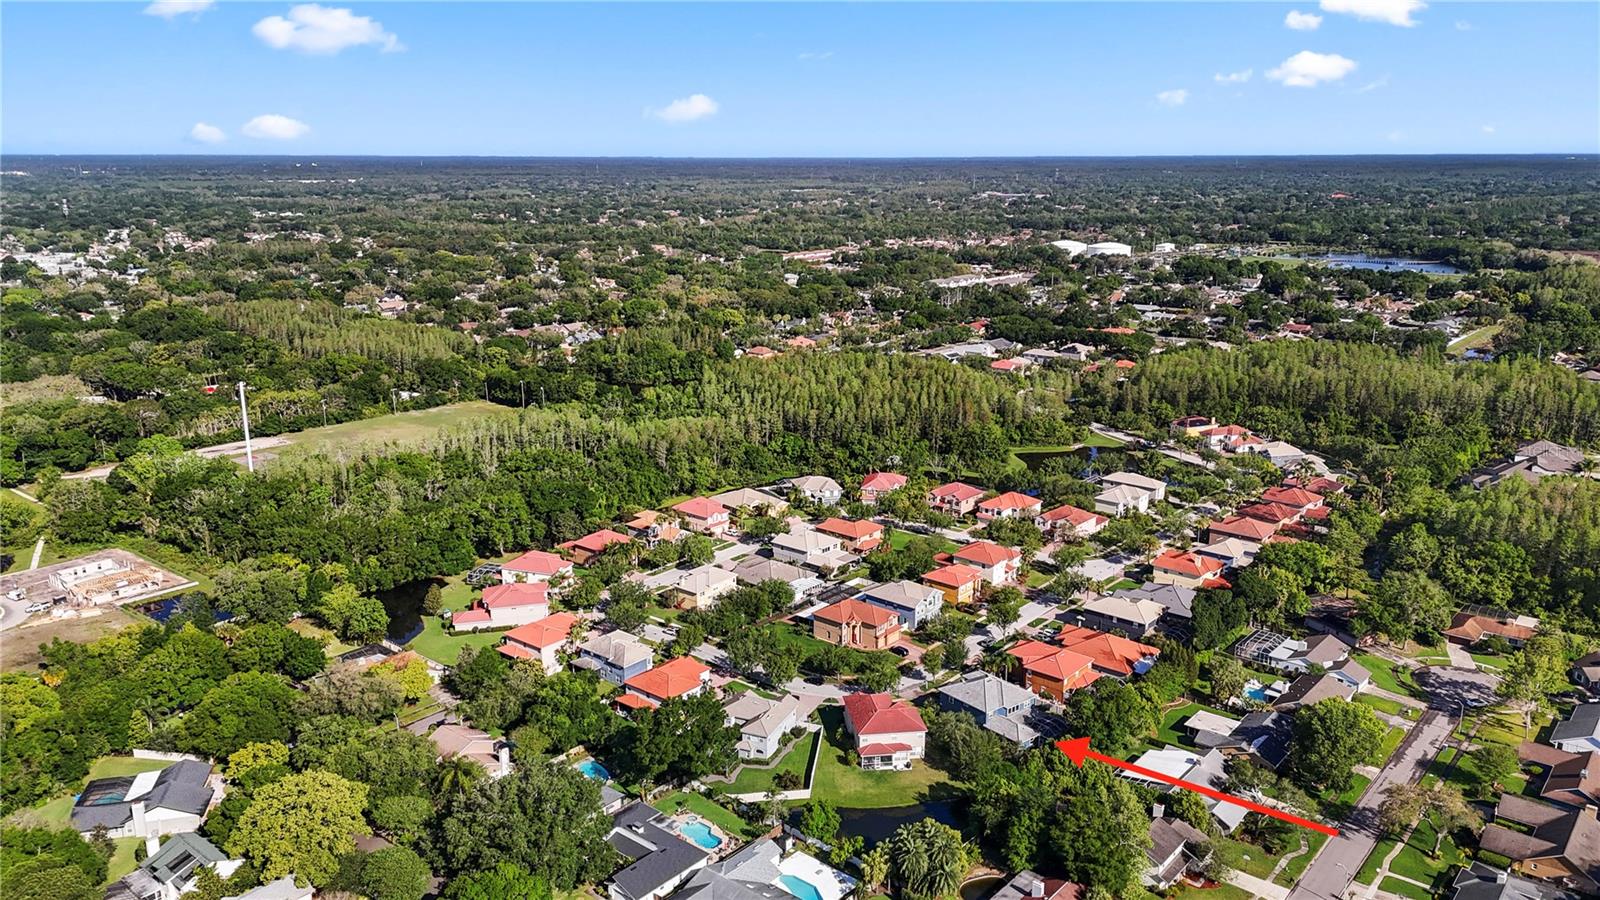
(1077, 750)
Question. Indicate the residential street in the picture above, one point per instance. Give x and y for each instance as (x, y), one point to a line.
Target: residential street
(1331, 873)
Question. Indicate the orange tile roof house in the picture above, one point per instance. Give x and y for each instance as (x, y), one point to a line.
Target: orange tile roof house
(889, 732)
(535, 565)
(504, 605)
(999, 565)
(955, 498)
(856, 623)
(1186, 569)
(858, 535)
(1010, 505)
(1110, 653)
(1293, 497)
(761, 352)
(585, 549)
(704, 515)
(540, 640)
(683, 676)
(651, 528)
(1052, 670)
(1069, 521)
(1274, 513)
(957, 582)
(1242, 527)
(1470, 629)
(877, 484)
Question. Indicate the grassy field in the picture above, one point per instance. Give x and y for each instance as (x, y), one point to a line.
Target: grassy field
(899, 539)
(799, 754)
(396, 428)
(1476, 338)
(1247, 858)
(1385, 705)
(1220, 892)
(1386, 748)
(1388, 675)
(1293, 868)
(330, 644)
(122, 861)
(705, 809)
(846, 785)
(1405, 889)
(440, 645)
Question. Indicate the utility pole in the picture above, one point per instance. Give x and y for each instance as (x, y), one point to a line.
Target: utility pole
(522, 385)
(244, 415)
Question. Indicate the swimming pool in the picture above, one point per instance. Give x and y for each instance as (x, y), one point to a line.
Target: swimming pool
(592, 769)
(1256, 692)
(701, 834)
(799, 887)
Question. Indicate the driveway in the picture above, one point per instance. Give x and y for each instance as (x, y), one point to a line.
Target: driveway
(1331, 873)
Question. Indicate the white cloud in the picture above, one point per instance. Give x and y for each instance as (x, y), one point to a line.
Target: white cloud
(1376, 84)
(171, 9)
(206, 134)
(313, 28)
(1463, 25)
(1174, 97)
(1302, 21)
(273, 127)
(686, 109)
(811, 55)
(1308, 69)
(1395, 137)
(1233, 77)
(1395, 12)
(1488, 129)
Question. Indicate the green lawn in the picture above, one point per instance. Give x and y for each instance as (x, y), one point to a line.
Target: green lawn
(1405, 889)
(794, 760)
(1382, 704)
(122, 861)
(1391, 740)
(1247, 858)
(58, 812)
(1478, 337)
(1220, 892)
(397, 428)
(1466, 776)
(1294, 867)
(1171, 730)
(330, 644)
(1390, 676)
(899, 539)
(1369, 868)
(845, 785)
(444, 648)
(707, 810)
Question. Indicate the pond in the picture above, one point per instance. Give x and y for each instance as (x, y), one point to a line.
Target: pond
(404, 606)
(1381, 263)
(1076, 459)
(875, 825)
(982, 887)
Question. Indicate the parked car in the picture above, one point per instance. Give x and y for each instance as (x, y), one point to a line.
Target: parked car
(37, 607)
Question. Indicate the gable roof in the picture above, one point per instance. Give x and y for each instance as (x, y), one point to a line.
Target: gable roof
(1309, 689)
(1290, 496)
(658, 856)
(883, 482)
(1186, 563)
(1245, 527)
(700, 508)
(181, 786)
(1009, 500)
(1575, 781)
(619, 648)
(816, 484)
(757, 569)
(955, 575)
(537, 562)
(673, 678)
(1135, 480)
(1109, 652)
(986, 553)
(1074, 670)
(870, 714)
(1174, 598)
(1127, 609)
(520, 593)
(852, 610)
(901, 594)
(957, 491)
(1469, 627)
(853, 529)
(547, 632)
(1584, 722)
(596, 541)
(1072, 515)
(1269, 512)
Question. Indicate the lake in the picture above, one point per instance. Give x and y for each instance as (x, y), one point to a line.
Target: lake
(404, 606)
(875, 825)
(1035, 459)
(1381, 263)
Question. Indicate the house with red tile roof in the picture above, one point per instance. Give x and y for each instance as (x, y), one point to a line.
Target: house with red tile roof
(1242, 527)
(858, 535)
(1272, 513)
(958, 583)
(683, 676)
(856, 624)
(1052, 670)
(704, 515)
(889, 732)
(585, 549)
(801, 342)
(1015, 365)
(650, 527)
(1321, 485)
(504, 605)
(761, 352)
(1469, 629)
(999, 565)
(1186, 569)
(1010, 505)
(1069, 521)
(534, 566)
(1293, 497)
(541, 640)
(955, 498)
(877, 484)
(1110, 653)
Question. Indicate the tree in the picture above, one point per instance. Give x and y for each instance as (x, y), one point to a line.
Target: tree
(878, 671)
(1496, 763)
(820, 820)
(1004, 607)
(395, 873)
(1227, 677)
(248, 707)
(875, 867)
(1440, 804)
(1099, 830)
(506, 881)
(432, 600)
(1532, 674)
(38, 858)
(256, 755)
(301, 825)
(546, 819)
(929, 859)
(685, 737)
(1405, 604)
(628, 605)
(1331, 738)
(1112, 713)
(178, 675)
(403, 818)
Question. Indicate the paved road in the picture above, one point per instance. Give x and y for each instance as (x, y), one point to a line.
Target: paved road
(1329, 876)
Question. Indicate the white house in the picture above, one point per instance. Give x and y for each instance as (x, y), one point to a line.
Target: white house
(762, 723)
(912, 601)
(1580, 732)
(702, 586)
(806, 546)
(534, 566)
(1121, 500)
(166, 801)
(818, 489)
(1108, 248)
(1155, 488)
(889, 732)
(542, 640)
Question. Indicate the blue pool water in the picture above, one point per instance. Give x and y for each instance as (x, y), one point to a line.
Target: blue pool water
(799, 887)
(1257, 693)
(702, 835)
(592, 769)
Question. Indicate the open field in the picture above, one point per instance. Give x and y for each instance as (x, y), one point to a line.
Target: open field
(397, 428)
(1478, 337)
(707, 810)
(19, 647)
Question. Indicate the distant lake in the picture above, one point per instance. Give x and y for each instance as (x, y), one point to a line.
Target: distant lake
(1380, 263)
(1034, 459)
(875, 825)
(404, 606)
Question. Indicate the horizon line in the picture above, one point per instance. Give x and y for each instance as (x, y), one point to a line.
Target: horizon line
(1571, 154)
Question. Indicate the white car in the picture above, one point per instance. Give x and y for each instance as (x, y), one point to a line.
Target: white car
(38, 607)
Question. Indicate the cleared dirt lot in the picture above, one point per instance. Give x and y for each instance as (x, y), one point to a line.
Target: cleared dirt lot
(19, 647)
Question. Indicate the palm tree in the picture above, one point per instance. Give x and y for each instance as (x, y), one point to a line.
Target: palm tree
(929, 859)
(457, 775)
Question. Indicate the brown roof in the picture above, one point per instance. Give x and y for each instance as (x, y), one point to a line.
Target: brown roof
(1469, 627)
(1308, 689)
(1574, 781)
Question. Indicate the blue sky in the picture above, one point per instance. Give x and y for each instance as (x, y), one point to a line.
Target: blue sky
(890, 79)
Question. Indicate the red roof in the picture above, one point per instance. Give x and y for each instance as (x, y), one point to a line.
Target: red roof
(986, 553)
(953, 576)
(634, 701)
(1318, 513)
(673, 678)
(537, 562)
(700, 508)
(1072, 515)
(1109, 652)
(884, 749)
(1270, 512)
(851, 529)
(508, 596)
(596, 541)
(547, 632)
(881, 714)
(473, 616)
(1226, 431)
(883, 482)
(956, 491)
(1007, 365)
(1183, 563)
(1117, 329)
(1074, 670)
(1290, 496)
(1319, 485)
(1124, 364)
(1009, 500)
(852, 610)
(1243, 527)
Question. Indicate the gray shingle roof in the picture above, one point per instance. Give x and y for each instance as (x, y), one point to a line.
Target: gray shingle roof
(659, 856)
(1583, 723)
(180, 787)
